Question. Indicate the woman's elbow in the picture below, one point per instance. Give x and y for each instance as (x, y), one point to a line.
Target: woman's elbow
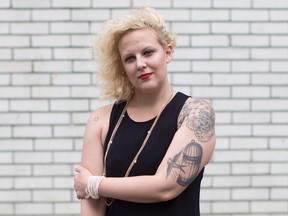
(167, 194)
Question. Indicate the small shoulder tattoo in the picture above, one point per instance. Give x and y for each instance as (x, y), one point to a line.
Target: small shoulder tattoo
(199, 117)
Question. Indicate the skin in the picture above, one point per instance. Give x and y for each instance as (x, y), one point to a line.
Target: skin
(145, 62)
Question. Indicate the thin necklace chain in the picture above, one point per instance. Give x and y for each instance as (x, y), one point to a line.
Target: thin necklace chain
(134, 161)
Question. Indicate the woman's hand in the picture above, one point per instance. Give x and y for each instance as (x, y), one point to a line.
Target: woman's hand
(80, 181)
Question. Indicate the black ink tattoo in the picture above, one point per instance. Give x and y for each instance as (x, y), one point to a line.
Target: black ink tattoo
(200, 118)
(185, 165)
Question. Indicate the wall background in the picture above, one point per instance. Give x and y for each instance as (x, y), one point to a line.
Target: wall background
(233, 53)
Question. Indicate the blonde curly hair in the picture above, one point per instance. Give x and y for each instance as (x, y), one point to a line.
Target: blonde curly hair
(112, 77)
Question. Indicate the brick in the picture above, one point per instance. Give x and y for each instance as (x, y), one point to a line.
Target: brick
(231, 181)
(6, 209)
(250, 193)
(67, 208)
(279, 168)
(30, 79)
(253, 117)
(50, 92)
(279, 143)
(215, 194)
(29, 28)
(4, 28)
(69, 105)
(71, 3)
(5, 3)
(33, 208)
(231, 156)
(279, 41)
(52, 66)
(230, 53)
(231, 4)
(250, 92)
(33, 157)
(279, 193)
(189, 79)
(69, 28)
(183, 41)
(84, 66)
(250, 168)
(270, 4)
(68, 131)
(15, 170)
(223, 118)
(230, 207)
(72, 53)
(190, 28)
(111, 4)
(5, 157)
(269, 53)
(279, 66)
(90, 15)
(250, 66)
(6, 132)
(5, 54)
(211, 92)
(15, 66)
(14, 15)
(230, 28)
(270, 181)
(32, 183)
(53, 144)
(218, 168)
(14, 118)
(209, 15)
(231, 105)
(231, 79)
(32, 131)
(211, 66)
(16, 145)
(152, 3)
(67, 157)
(14, 92)
(51, 15)
(279, 92)
(269, 206)
(82, 40)
(50, 41)
(175, 15)
(14, 41)
(52, 170)
(249, 41)
(30, 4)
(29, 105)
(32, 54)
(51, 195)
(270, 155)
(279, 15)
(270, 79)
(85, 92)
(192, 3)
(5, 79)
(71, 79)
(15, 196)
(180, 66)
(249, 15)
(270, 105)
(191, 53)
(269, 28)
(210, 41)
(63, 182)
(50, 118)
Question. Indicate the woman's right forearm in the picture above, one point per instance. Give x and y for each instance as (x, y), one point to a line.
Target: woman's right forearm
(90, 207)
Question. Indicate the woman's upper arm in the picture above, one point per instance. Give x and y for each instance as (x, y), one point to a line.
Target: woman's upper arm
(191, 148)
(92, 154)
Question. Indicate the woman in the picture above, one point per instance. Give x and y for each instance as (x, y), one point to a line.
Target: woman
(145, 154)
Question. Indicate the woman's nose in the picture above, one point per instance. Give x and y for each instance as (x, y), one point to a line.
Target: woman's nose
(140, 63)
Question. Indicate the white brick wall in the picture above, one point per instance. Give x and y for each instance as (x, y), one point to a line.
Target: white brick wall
(233, 53)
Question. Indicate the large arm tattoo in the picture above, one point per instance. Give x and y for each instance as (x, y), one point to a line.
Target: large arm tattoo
(185, 165)
(200, 118)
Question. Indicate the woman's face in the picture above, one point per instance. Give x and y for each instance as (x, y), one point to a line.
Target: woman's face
(144, 59)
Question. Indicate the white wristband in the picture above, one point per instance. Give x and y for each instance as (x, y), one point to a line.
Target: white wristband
(92, 189)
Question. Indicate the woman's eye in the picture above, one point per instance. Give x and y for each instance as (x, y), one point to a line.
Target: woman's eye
(148, 52)
(129, 59)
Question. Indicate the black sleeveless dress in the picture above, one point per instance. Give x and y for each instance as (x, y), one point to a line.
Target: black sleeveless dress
(126, 143)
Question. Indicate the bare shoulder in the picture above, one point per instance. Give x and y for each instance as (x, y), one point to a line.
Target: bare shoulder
(198, 115)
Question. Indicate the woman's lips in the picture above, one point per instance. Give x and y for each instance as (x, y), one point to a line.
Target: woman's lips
(145, 76)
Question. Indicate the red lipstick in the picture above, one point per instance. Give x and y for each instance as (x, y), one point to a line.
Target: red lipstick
(145, 76)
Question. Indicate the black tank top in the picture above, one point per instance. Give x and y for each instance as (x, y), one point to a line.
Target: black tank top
(127, 141)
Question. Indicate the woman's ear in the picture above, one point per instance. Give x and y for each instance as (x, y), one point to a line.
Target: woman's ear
(169, 53)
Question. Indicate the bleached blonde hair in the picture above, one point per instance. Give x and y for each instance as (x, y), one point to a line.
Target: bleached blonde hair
(111, 74)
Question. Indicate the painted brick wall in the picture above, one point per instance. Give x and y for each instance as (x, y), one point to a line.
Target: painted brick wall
(234, 53)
